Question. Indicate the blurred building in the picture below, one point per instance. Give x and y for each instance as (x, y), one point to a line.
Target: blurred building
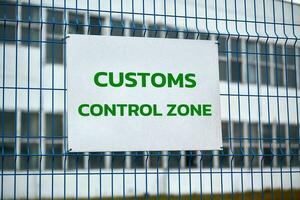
(259, 80)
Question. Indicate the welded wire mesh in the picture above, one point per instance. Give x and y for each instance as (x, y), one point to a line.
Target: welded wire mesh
(259, 80)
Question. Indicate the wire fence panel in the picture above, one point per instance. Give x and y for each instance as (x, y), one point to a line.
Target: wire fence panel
(259, 67)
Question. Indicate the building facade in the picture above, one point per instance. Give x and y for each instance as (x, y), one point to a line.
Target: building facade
(259, 80)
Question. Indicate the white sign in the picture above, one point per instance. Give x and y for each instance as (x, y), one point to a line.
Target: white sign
(142, 94)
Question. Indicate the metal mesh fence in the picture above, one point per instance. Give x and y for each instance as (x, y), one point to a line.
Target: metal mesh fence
(259, 80)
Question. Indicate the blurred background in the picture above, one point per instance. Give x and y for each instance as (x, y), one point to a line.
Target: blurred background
(259, 80)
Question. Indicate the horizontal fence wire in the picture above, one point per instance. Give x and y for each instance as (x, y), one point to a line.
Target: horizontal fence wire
(259, 60)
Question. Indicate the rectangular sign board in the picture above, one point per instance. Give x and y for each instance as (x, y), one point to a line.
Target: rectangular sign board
(142, 94)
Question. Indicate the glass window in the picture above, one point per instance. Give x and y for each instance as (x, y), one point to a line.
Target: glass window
(96, 160)
(76, 23)
(171, 32)
(254, 156)
(7, 33)
(191, 159)
(118, 160)
(280, 133)
(223, 71)
(267, 133)
(291, 77)
(189, 35)
(267, 157)
(95, 27)
(7, 130)
(53, 159)
(117, 28)
(207, 159)
(224, 158)
(30, 157)
(8, 148)
(238, 132)
(29, 124)
(254, 132)
(265, 74)
(281, 157)
(54, 51)
(31, 35)
(30, 13)
(155, 159)
(54, 125)
(7, 123)
(264, 52)
(137, 29)
(251, 48)
(295, 158)
(278, 54)
(29, 146)
(236, 71)
(278, 76)
(204, 36)
(252, 73)
(235, 48)
(225, 131)
(55, 18)
(137, 159)
(8, 10)
(154, 30)
(174, 159)
(294, 133)
(290, 55)
(238, 157)
(222, 46)
(75, 161)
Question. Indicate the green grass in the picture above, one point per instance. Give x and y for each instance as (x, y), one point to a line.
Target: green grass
(266, 195)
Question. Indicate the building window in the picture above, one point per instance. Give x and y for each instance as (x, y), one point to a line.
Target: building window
(223, 70)
(30, 32)
(8, 11)
(189, 35)
(117, 28)
(137, 159)
(265, 64)
(118, 160)
(54, 35)
(206, 159)
(95, 27)
(96, 160)
(76, 23)
(224, 155)
(171, 32)
(75, 161)
(137, 29)
(254, 144)
(251, 62)
(267, 133)
(223, 67)
(267, 156)
(30, 141)
(155, 159)
(280, 146)
(278, 71)
(154, 30)
(236, 71)
(191, 159)
(174, 158)
(54, 49)
(8, 132)
(54, 141)
(291, 67)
